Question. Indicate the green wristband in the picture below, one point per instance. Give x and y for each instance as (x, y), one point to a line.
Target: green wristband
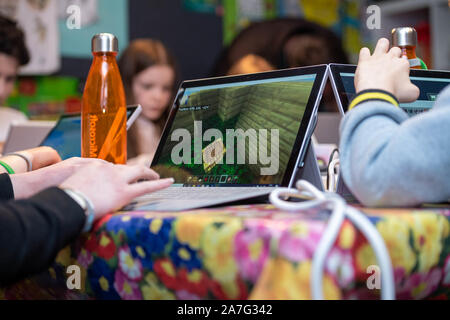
(7, 167)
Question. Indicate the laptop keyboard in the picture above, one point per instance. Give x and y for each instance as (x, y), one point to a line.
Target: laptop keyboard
(198, 193)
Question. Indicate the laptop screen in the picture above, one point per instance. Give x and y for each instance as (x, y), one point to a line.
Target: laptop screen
(429, 89)
(430, 84)
(240, 133)
(65, 137)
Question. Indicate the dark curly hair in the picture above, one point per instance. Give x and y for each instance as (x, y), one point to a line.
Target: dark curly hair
(12, 41)
(284, 43)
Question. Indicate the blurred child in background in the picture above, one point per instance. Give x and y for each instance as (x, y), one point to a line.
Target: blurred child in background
(13, 54)
(250, 63)
(149, 76)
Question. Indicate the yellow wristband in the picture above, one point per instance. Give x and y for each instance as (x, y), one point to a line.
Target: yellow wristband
(372, 95)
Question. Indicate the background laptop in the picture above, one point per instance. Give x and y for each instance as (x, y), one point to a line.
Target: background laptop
(26, 135)
(430, 83)
(285, 100)
(64, 137)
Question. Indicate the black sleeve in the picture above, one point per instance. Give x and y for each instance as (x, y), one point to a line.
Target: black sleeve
(33, 231)
(6, 188)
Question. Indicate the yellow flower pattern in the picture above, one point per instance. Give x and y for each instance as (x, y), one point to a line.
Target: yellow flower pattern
(429, 231)
(189, 229)
(218, 249)
(282, 280)
(396, 233)
(151, 290)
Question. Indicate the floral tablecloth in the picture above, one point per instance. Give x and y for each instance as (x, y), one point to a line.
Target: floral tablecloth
(244, 252)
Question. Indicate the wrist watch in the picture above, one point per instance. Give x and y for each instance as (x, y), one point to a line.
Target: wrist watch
(85, 204)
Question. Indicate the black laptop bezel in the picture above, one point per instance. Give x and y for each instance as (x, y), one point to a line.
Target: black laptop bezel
(336, 69)
(311, 108)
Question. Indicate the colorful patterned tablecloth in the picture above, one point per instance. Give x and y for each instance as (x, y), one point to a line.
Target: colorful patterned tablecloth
(244, 252)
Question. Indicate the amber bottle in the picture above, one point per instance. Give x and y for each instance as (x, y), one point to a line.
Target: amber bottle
(406, 39)
(103, 120)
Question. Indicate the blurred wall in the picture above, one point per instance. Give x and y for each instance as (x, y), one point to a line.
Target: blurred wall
(194, 38)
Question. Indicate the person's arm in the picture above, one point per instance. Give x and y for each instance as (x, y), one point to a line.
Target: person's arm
(32, 232)
(388, 159)
(6, 188)
(36, 158)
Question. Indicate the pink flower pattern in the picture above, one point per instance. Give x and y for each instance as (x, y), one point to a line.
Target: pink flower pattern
(417, 285)
(128, 290)
(250, 267)
(297, 248)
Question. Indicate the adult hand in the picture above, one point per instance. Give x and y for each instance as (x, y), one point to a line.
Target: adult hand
(386, 70)
(110, 187)
(30, 183)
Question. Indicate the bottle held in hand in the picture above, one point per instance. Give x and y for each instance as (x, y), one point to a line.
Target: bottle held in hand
(103, 121)
(406, 39)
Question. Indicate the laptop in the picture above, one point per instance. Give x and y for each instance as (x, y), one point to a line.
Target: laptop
(430, 83)
(233, 138)
(64, 137)
(26, 135)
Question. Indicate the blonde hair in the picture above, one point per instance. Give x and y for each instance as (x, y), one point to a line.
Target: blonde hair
(250, 63)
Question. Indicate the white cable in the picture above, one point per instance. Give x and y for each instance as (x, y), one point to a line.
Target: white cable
(339, 210)
(332, 175)
(324, 246)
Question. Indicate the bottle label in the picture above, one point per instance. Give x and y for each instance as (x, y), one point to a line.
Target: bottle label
(104, 136)
(93, 148)
(414, 62)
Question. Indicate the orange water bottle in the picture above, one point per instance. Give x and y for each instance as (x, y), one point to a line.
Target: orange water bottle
(103, 119)
(406, 39)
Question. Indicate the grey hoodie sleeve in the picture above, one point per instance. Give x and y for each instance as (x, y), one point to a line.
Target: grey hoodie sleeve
(389, 159)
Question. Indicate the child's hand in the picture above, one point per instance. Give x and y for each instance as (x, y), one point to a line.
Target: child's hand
(386, 70)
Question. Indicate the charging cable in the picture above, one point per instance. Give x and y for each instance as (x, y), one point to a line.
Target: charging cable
(331, 170)
(332, 176)
(339, 211)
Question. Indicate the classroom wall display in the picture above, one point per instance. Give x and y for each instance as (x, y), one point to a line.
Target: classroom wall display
(39, 21)
(204, 6)
(96, 16)
(46, 97)
(342, 16)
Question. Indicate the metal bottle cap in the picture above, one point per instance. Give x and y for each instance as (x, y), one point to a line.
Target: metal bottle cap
(105, 42)
(404, 36)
